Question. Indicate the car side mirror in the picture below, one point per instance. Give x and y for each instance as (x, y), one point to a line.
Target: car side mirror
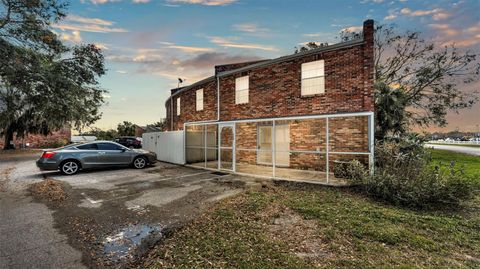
(123, 149)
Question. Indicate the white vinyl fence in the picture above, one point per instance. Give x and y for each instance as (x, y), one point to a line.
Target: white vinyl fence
(169, 146)
(453, 142)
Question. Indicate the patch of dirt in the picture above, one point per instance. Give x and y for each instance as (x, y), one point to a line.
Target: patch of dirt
(4, 178)
(49, 189)
(304, 237)
(299, 234)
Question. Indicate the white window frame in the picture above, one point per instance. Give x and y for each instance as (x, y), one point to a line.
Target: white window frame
(313, 72)
(199, 99)
(178, 106)
(242, 90)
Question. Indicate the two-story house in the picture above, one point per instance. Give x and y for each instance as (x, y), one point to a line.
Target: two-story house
(295, 117)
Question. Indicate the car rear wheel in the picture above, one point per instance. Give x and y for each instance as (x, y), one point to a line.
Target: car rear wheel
(70, 167)
(140, 162)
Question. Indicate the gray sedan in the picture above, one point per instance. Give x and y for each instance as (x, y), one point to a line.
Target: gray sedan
(71, 159)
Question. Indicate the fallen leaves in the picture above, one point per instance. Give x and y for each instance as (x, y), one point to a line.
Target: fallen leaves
(50, 189)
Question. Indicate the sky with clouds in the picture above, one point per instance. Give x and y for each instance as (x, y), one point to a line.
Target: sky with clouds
(148, 44)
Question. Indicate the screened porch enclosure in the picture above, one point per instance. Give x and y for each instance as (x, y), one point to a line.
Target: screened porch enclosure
(310, 148)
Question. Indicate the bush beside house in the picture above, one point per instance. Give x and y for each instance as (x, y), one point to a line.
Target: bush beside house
(405, 175)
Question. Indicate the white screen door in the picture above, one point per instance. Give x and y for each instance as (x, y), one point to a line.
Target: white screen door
(282, 145)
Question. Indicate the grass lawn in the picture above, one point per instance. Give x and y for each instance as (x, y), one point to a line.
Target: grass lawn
(295, 226)
(304, 226)
(470, 163)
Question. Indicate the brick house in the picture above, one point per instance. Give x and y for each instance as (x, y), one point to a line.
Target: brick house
(298, 116)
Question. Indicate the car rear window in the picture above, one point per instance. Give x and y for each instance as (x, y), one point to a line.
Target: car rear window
(88, 147)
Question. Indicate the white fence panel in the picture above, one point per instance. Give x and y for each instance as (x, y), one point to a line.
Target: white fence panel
(169, 146)
(453, 142)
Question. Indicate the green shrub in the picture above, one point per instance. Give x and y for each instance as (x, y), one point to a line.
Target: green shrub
(404, 176)
(353, 171)
(432, 186)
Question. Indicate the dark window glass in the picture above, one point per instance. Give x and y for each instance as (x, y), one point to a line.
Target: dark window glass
(88, 147)
(108, 146)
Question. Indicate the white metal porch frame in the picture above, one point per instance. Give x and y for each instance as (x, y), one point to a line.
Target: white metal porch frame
(327, 152)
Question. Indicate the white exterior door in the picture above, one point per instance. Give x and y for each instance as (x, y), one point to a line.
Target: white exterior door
(264, 145)
(282, 145)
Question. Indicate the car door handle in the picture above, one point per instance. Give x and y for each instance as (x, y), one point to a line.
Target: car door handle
(101, 152)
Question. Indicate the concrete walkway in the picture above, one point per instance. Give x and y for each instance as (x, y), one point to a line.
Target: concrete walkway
(459, 149)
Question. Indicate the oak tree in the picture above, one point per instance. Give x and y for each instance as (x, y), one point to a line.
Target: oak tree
(44, 84)
(417, 81)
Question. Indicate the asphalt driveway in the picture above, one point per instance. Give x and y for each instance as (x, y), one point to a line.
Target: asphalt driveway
(108, 218)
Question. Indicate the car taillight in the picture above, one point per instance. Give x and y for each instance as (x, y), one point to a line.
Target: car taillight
(48, 154)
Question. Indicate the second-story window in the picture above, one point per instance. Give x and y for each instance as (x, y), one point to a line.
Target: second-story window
(241, 90)
(199, 95)
(313, 78)
(178, 106)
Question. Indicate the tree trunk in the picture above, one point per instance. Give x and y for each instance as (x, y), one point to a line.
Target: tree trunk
(8, 138)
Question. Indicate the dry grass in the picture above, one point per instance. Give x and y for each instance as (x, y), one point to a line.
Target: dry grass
(230, 235)
(306, 227)
(18, 152)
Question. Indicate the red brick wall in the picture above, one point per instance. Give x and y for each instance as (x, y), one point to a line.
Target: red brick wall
(346, 135)
(275, 90)
(139, 131)
(188, 108)
(246, 139)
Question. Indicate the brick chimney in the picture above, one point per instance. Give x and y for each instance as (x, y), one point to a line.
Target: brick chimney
(368, 63)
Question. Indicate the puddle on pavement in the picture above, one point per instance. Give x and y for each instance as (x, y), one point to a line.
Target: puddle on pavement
(123, 243)
(219, 173)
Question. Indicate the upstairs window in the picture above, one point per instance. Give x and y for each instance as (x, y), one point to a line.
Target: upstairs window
(241, 90)
(199, 99)
(313, 78)
(178, 106)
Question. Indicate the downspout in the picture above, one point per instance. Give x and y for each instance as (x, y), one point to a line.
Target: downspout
(171, 112)
(218, 98)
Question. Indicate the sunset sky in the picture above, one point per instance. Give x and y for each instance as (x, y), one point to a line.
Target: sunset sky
(148, 44)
